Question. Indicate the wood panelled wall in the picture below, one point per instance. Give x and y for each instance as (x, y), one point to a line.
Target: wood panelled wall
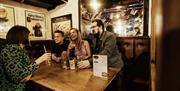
(169, 61)
(136, 56)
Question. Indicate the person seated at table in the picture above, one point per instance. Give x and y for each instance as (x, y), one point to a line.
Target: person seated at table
(59, 46)
(82, 48)
(15, 65)
(104, 43)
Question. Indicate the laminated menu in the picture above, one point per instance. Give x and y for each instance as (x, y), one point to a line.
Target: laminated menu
(100, 66)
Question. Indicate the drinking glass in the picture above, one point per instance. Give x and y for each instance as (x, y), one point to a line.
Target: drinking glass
(48, 61)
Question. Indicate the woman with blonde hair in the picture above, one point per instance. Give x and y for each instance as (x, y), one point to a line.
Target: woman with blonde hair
(82, 47)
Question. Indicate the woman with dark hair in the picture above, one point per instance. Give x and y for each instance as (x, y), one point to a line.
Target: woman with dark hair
(15, 65)
(18, 35)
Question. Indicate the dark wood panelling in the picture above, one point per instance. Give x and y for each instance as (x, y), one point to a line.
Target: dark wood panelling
(136, 57)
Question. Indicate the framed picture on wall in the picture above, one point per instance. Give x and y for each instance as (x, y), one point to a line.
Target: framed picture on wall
(35, 22)
(7, 20)
(62, 23)
(124, 18)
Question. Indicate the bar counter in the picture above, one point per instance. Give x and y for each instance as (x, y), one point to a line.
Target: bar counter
(58, 79)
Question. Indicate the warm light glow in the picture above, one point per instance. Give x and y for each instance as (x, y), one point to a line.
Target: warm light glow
(118, 7)
(118, 23)
(95, 5)
(158, 20)
(1, 28)
(117, 16)
(118, 28)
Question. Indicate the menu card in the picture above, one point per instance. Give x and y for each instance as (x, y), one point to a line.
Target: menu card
(100, 66)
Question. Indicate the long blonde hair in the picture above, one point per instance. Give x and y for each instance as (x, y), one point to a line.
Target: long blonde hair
(77, 41)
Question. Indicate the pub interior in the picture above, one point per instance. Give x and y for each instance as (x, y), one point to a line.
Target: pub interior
(146, 32)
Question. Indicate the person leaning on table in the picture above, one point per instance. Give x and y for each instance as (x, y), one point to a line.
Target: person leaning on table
(59, 46)
(104, 43)
(15, 65)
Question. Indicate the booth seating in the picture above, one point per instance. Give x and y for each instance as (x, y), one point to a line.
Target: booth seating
(36, 48)
(136, 57)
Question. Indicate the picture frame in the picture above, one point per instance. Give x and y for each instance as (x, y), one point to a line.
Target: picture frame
(7, 20)
(126, 19)
(62, 23)
(36, 22)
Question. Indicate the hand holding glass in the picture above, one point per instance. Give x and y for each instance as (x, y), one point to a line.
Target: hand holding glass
(48, 58)
(83, 64)
(71, 46)
(44, 57)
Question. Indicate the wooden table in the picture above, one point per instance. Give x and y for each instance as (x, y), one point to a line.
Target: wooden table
(58, 79)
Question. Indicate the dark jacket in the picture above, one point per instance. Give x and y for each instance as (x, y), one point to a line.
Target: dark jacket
(107, 46)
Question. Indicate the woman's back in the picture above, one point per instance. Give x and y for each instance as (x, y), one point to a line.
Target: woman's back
(15, 66)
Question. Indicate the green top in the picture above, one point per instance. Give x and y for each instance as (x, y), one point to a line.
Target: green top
(15, 65)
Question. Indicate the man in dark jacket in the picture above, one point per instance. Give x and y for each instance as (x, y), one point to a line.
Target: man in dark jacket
(104, 43)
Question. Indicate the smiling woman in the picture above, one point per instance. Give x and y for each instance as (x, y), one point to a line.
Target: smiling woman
(82, 47)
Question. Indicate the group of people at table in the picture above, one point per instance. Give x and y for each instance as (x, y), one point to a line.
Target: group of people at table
(16, 67)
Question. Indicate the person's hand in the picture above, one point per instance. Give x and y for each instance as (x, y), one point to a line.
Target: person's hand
(64, 55)
(83, 64)
(44, 57)
(26, 78)
(71, 46)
